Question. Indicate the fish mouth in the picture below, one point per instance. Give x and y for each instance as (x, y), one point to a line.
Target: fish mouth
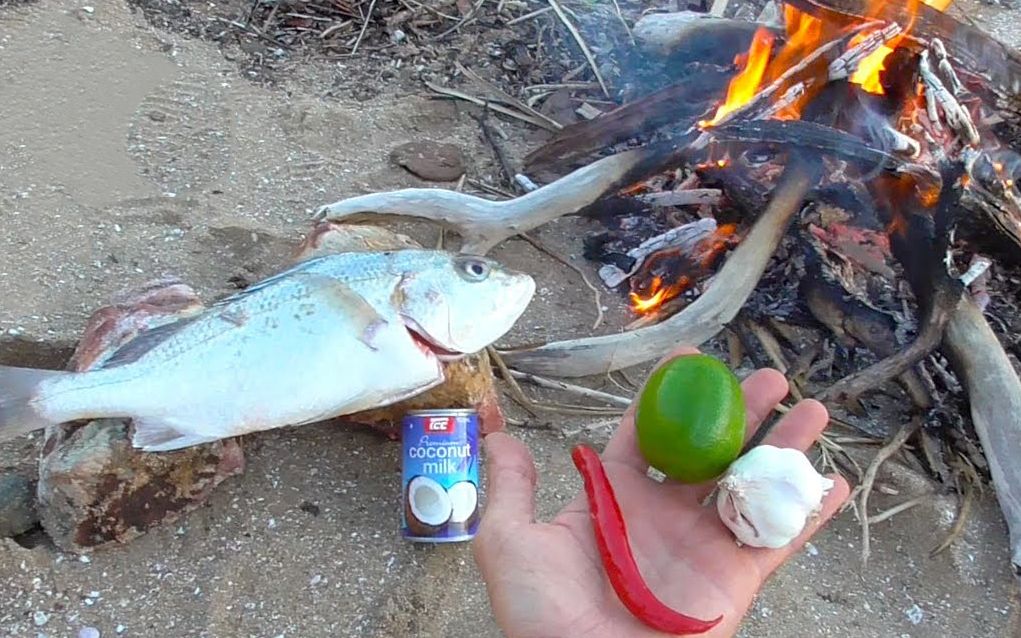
(427, 344)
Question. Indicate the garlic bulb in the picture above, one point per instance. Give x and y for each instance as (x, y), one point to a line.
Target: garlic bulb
(766, 496)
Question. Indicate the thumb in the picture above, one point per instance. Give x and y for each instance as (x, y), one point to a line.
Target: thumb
(511, 481)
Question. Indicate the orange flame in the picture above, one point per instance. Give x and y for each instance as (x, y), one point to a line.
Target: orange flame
(804, 33)
(746, 83)
(652, 302)
(867, 73)
(704, 255)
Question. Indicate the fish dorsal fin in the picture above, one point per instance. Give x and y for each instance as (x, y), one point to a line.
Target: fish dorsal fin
(272, 280)
(133, 350)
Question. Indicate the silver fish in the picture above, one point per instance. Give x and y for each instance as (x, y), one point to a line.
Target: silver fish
(331, 336)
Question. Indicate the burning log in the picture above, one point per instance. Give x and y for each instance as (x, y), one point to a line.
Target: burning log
(681, 103)
(976, 51)
(683, 238)
(696, 323)
(939, 99)
(825, 139)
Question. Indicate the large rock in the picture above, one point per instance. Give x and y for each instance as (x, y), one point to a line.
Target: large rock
(94, 487)
(17, 505)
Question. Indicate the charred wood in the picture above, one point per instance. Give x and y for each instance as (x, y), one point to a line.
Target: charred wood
(825, 139)
(681, 103)
(698, 322)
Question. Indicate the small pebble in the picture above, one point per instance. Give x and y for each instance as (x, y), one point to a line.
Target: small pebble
(40, 618)
(915, 614)
(88, 632)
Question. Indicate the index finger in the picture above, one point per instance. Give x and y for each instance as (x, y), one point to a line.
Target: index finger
(762, 389)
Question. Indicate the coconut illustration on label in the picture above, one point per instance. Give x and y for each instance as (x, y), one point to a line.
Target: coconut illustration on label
(428, 507)
(440, 476)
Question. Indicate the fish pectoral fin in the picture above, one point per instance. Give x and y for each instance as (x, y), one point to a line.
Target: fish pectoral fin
(367, 320)
(153, 434)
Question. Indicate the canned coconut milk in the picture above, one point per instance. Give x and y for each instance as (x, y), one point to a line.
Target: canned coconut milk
(440, 475)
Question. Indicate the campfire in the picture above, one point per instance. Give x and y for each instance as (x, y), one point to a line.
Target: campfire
(844, 171)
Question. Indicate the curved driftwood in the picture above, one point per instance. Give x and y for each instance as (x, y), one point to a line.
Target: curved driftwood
(696, 323)
(483, 223)
(994, 392)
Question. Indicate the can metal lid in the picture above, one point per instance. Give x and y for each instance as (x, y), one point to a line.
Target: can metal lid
(450, 412)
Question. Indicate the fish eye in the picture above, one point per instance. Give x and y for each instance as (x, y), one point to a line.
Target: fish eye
(473, 269)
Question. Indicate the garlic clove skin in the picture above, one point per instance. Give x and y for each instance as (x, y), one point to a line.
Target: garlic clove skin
(767, 496)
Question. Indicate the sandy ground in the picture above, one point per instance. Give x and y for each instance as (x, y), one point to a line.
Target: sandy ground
(128, 153)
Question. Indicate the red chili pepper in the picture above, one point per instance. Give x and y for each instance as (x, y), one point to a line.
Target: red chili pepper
(618, 560)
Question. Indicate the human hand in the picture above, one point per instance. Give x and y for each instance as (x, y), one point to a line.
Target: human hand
(547, 579)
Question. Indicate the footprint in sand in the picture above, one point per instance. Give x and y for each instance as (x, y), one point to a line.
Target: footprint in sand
(180, 135)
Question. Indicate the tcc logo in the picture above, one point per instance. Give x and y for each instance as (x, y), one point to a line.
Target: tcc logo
(440, 425)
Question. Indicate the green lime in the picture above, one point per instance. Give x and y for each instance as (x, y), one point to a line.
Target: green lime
(691, 418)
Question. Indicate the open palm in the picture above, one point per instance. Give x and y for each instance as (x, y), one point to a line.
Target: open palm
(547, 579)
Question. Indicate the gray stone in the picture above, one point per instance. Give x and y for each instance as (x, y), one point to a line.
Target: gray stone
(17, 505)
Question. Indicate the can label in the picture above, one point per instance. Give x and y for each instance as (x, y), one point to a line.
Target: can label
(440, 475)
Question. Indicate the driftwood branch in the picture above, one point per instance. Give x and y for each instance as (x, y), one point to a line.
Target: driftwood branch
(484, 223)
(700, 321)
(994, 392)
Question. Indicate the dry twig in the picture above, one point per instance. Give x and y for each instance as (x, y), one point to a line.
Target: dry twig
(516, 392)
(897, 509)
(555, 5)
(959, 522)
(865, 489)
(495, 106)
(365, 26)
(553, 384)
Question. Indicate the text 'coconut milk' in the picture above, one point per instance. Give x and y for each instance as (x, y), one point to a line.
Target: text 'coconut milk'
(440, 476)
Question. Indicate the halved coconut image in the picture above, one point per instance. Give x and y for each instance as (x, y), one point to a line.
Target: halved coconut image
(464, 500)
(427, 506)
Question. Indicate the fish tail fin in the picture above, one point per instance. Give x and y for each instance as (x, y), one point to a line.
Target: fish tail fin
(19, 388)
